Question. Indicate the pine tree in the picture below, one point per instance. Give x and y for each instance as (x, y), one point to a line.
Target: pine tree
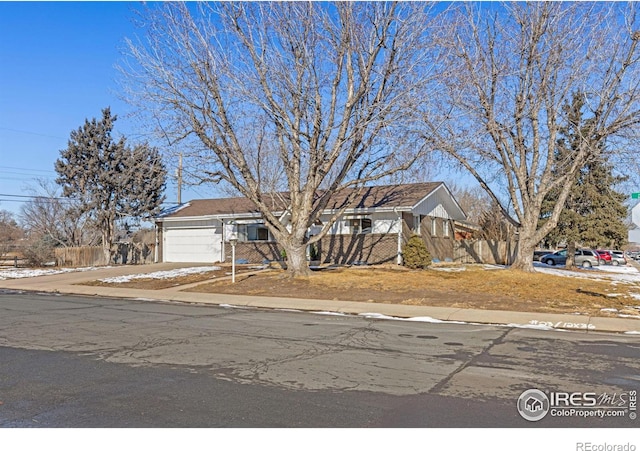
(415, 253)
(594, 213)
(113, 181)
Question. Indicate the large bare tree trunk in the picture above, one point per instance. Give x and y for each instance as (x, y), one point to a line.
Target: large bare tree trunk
(571, 254)
(510, 75)
(297, 263)
(526, 245)
(308, 97)
(107, 231)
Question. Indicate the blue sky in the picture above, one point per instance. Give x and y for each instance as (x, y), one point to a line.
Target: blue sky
(57, 68)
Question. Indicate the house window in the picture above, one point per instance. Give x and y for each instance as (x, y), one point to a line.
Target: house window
(257, 232)
(253, 232)
(434, 229)
(445, 228)
(416, 224)
(360, 225)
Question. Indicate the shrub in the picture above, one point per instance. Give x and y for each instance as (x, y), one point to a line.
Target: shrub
(39, 252)
(314, 254)
(415, 253)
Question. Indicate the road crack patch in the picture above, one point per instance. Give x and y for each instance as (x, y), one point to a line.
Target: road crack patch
(437, 388)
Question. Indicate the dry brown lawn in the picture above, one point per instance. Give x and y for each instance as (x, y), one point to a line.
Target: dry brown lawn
(470, 286)
(474, 287)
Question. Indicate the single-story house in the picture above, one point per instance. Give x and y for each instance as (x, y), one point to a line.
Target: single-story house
(372, 230)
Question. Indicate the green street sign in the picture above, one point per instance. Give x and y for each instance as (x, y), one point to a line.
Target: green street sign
(635, 195)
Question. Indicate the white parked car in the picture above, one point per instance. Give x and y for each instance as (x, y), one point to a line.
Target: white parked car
(617, 258)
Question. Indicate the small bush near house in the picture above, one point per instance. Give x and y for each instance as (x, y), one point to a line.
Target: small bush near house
(415, 253)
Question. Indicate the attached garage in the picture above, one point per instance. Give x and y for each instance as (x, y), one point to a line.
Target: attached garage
(192, 241)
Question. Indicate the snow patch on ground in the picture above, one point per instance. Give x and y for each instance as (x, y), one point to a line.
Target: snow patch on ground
(611, 273)
(22, 273)
(422, 319)
(330, 313)
(449, 268)
(234, 306)
(161, 274)
(492, 267)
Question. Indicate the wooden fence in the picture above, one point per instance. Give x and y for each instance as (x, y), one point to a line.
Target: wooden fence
(80, 256)
(485, 251)
(123, 253)
(14, 261)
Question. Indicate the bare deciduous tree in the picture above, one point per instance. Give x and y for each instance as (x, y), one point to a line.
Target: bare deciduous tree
(474, 201)
(57, 219)
(510, 71)
(10, 233)
(324, 93)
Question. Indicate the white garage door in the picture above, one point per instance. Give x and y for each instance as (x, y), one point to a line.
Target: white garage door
(198, 245)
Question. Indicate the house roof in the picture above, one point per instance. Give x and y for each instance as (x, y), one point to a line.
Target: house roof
(386, 196)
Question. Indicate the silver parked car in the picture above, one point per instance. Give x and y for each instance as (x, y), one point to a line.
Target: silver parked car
(617, 257)
(584, 257)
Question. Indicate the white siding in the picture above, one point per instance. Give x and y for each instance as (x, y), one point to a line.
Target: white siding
(432, 206)
(439, 205)
(191, 223)
(385, 223)
(380, 223)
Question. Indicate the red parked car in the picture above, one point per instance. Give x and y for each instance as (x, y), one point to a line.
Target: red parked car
(604, 256)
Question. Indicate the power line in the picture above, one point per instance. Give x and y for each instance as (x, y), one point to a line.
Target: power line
(22, 177)
(26, 132)
(26, 169)
(23, 196)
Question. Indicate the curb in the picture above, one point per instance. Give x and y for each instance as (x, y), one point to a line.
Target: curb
(69, 284)
(498, 318)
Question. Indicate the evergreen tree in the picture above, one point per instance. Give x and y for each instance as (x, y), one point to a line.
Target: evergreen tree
(113, 181)
(415, 253)
(594, 213)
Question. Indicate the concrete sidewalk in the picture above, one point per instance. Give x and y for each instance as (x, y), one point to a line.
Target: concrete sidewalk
(67, 283)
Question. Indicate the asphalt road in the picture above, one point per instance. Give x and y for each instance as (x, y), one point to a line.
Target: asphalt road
(90, 362)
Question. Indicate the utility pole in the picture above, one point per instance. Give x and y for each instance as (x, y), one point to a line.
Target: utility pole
(179, 176)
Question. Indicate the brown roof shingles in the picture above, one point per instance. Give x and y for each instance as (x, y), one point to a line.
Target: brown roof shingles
(387, 196)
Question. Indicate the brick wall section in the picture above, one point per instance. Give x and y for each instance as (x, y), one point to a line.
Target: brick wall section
(349, 249)
(439, 247)
(254, 251)
(379, 248)
(339, 249)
